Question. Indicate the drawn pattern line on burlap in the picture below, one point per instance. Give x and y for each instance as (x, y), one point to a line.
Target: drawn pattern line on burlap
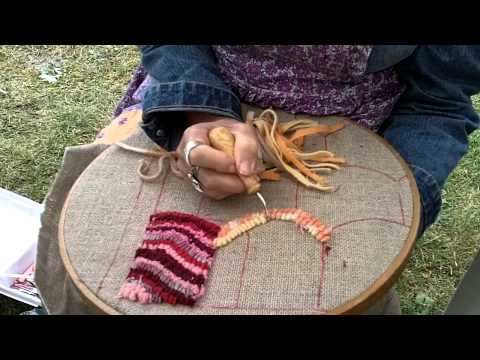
(119, 243)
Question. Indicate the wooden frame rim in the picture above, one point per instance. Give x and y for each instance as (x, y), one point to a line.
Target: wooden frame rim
(358, 304)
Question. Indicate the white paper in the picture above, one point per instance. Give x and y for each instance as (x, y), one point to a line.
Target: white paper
(19, 226)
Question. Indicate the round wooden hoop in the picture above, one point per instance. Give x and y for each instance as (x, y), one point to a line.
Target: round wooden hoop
(356, 305)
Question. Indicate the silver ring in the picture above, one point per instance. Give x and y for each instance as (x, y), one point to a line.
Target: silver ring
(193, 176)
(191, 144)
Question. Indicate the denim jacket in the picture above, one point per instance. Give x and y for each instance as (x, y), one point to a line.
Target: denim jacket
(429, 125)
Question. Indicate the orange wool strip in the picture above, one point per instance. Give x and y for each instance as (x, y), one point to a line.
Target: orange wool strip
(316, 130)
(322, 159)
(271, 175)
(298, 142)
(294, 160)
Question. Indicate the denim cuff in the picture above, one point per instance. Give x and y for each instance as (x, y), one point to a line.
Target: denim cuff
(190, 96)
(430, 194)
(165, 104)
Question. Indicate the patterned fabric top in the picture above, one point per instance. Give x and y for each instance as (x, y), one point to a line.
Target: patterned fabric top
(312, 79)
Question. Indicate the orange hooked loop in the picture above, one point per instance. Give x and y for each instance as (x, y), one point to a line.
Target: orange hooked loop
(306, 221)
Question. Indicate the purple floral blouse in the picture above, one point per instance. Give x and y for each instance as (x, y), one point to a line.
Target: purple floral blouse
(312, 79)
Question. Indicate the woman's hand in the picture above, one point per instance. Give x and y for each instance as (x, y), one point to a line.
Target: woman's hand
(218, 173)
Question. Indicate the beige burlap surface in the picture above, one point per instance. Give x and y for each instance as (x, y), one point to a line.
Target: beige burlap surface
(274, 269)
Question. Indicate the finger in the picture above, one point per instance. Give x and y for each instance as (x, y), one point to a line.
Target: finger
(210, 158)
(219, 185)
(204, 155)
(185, 170)
(246, 150)
(214, 184)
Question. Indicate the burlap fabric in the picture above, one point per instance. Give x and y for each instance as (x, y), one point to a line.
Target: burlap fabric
(274, 269)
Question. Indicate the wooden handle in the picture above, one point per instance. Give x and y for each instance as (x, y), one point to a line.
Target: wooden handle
(222, 139)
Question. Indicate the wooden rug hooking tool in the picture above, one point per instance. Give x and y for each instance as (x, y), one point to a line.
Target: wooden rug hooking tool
(222, 139)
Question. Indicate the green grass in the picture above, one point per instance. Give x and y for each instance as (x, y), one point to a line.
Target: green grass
(446, 250)
(38, 120)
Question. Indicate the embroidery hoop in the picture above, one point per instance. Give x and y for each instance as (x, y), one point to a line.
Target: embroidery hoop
(354, 305)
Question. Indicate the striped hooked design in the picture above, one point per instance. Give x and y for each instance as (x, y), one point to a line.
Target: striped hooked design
(172, 263)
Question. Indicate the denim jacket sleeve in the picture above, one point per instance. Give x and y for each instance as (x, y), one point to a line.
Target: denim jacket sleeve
(185, 78)
(431, 122)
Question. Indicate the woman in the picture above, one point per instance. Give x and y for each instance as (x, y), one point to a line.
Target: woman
(417, 97)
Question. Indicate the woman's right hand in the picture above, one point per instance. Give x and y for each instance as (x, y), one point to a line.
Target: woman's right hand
(218, 172)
